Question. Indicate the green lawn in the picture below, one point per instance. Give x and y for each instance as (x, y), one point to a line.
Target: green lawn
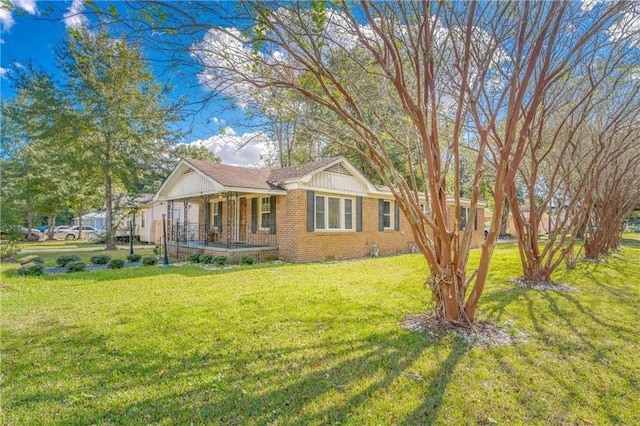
(316, 344)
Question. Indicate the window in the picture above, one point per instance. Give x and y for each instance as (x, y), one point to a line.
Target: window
(333, 213)
(348, 213)
(216, 215)
(464, 216)
(265, 212)
(143, 219)
(386, 214)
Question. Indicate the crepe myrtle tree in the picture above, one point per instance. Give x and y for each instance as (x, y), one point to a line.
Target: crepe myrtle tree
(588, 122)
(405, 85)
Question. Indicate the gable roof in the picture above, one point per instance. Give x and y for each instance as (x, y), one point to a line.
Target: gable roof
(299, 171)
(233, 176)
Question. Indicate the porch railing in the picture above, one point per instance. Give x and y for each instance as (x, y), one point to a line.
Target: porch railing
(228, 237)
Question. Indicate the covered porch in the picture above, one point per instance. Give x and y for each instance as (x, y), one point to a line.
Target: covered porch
(226, 220)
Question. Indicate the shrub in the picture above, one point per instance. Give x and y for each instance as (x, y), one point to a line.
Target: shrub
(101, 259)
(9, 249)
(75, 266)
(67, 258)
(135, 257)
(31, 259)
(247, 260)
(32, 268)
(157, 250)
(221, 260)
(206, 258)
(194, 258)
(149, 260)
(115, 264)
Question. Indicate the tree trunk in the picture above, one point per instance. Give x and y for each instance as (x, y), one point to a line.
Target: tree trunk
(108, 204)
(51, 224)
(504, 220)
(80, 212)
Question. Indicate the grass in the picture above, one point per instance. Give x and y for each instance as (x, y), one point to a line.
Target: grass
(49, 257)
(315, 344)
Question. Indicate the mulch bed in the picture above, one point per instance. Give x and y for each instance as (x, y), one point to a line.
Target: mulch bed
(62, 270)
(481, 334)
(521, 282)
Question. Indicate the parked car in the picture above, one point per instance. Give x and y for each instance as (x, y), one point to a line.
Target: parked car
(73, 232)
(22, 233)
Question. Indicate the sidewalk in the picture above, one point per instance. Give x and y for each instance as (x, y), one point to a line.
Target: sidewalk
(100, 248)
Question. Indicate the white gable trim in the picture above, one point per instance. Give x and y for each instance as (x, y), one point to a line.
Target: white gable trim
(306, 179)
(177, 175)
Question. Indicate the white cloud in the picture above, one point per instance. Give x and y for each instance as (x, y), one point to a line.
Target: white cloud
(248, 149)
(28, 6)
(6, 16)
(6, 19)
(4, 72)
(74, 17)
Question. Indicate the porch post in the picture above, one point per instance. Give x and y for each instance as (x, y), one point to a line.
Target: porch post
(185, 221)
(207, 214)
(230, 215)
(170, 218)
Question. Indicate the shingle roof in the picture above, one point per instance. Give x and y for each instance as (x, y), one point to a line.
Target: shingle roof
(242, 177)
(232, 176)
(293, 172)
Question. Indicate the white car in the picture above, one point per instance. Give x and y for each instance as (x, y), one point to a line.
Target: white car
(73, 232)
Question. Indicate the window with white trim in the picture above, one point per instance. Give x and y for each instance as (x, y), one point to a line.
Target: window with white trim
(333, 213)
(386, 214)
(143, 219)
(265, 212)
(464, 216)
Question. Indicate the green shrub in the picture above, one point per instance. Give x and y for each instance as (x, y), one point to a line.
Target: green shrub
(31, 259)
(206, 259)
(157, 250)
(75, 266)
(221, 260)
(149, 260)
(100, 259)
(135, 257)
(9, 249)
(247, 260)
(33, 268)
(67, 258)
(115, 264)
(194, 258)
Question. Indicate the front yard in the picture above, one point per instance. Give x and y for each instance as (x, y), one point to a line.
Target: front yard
(315, 344)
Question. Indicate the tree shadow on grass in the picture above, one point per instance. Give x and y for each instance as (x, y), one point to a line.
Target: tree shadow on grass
(575, 342)
(86, 377)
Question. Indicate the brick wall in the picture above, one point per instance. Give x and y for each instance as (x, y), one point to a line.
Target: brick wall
(299, 245)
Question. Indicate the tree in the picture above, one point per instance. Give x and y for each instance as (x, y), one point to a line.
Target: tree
(586, 124)
(407, 85)
(197, 152)
(122, 117)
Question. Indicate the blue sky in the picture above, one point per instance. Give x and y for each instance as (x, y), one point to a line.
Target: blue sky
(29, 34)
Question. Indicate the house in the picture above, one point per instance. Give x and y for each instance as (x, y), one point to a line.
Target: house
(326, 210)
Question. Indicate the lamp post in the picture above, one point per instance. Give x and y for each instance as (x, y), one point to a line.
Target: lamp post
(133, 224)
(164, 236)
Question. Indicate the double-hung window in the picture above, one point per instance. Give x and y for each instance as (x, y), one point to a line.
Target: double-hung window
(464, 217)
(265, 212)
(386, 214)
(333, 213)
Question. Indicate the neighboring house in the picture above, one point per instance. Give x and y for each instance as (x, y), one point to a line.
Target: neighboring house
(96, 219)
(319, 211)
